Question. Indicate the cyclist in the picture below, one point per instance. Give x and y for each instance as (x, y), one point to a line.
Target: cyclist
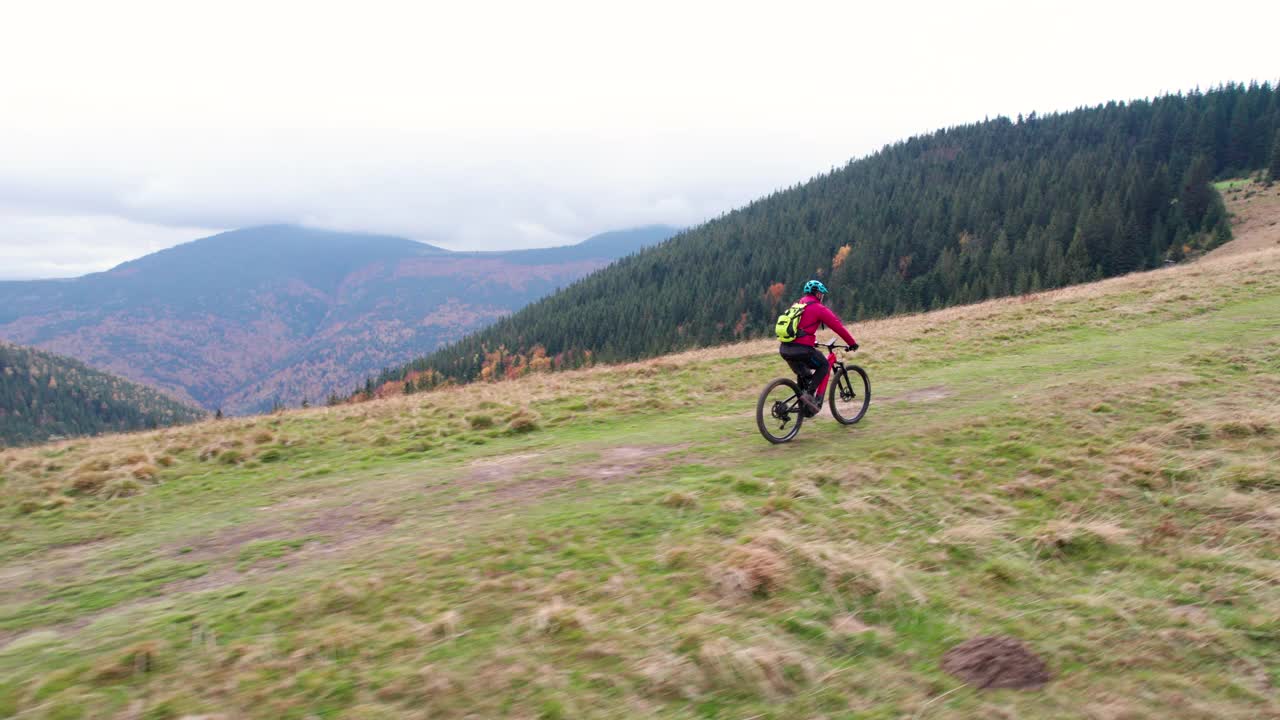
(809, 364)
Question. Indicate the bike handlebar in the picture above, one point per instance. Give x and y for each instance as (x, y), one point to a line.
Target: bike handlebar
(833, 345)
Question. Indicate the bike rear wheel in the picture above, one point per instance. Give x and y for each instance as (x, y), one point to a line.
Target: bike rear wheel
(779, 412)
(850, 394)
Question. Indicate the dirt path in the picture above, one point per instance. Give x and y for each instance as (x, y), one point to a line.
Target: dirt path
(524, 478)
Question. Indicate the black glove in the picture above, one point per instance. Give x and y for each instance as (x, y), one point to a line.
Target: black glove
(853, 346)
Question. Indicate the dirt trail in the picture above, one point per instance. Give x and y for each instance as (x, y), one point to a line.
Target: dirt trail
(933, 393)
(520, 478)
(1255, 219)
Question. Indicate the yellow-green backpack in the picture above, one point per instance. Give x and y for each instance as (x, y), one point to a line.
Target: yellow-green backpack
(788, 325)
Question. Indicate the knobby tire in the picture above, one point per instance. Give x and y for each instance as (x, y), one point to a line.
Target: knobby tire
(764, 414)
(852, 380)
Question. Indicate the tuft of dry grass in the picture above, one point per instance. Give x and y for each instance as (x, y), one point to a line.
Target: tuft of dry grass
(135, 458)
(974, 533)
(675, 557)
(88, 483)
(558, 616)
(214, 450)
(679, 499)
(1244, 427)
(338, 639)
(138, 659)
(1067, 538)
(1244, 507)
(121, 488)
(666, 675)
(848, 567)
(1253, 475)
(766, 670)
(847, 624)
(144, 472)
(97, 464)
(447, 625)
(749, 571)
(804, 490)
(429, 684)
(523, 421)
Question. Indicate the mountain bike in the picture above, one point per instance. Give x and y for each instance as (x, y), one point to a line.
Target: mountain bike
(779, 413)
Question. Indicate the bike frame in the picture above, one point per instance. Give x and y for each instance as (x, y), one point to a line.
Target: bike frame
(832, 363)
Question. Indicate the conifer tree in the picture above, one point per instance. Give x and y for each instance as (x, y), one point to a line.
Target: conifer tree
(1077, 260)
(1273, 170)
(1196, 194)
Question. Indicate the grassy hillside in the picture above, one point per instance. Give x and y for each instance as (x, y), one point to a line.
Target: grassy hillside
(1091, 470)
(45, 396)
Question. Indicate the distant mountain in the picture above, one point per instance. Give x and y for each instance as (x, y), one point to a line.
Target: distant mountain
(252, 317)
(44, 396)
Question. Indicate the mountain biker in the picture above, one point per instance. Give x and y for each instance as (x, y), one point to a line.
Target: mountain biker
(801, 354)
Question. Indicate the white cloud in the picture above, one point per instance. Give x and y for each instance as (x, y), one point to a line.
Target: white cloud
(462, 123)
(46, 246)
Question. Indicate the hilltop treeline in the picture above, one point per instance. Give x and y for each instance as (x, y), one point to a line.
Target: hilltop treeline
(998, 207)
(44, 395)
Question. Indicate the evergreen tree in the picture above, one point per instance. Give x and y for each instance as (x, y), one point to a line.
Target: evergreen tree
(1273, 170)
(1196, 194)
(1077, 260)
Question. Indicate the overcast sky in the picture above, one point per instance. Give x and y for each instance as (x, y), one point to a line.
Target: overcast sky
(126, 127)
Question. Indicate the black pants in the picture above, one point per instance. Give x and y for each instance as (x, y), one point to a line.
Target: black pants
(809, 364)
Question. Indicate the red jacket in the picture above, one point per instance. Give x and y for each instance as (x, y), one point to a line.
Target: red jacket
(815, 314)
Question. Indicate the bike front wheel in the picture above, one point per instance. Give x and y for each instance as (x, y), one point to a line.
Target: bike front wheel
(779, 412)
(850, 394)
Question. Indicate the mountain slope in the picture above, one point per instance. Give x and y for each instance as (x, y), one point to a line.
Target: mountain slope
(1090, 470)
(252, 317)
(44, 396)
(965, 213)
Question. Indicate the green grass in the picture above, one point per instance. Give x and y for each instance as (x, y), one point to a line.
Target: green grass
(1091, 471)
(1222, 185)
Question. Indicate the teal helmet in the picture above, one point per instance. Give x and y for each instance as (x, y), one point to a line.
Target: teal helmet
(814, 286)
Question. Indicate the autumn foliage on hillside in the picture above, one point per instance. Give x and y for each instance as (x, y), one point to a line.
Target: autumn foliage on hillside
(499, 364)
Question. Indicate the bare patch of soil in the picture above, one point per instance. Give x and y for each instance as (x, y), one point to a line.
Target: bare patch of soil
(222, 543)
(623, 460)
(929, 394)
(490, 469)
(996, 661)
(342, 526)
(53, 564)
(615, 464)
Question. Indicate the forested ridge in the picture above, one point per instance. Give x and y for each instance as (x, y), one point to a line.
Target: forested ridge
(43, 395)
(966, 213)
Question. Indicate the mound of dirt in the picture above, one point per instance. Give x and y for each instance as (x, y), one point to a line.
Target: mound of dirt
(995, 661)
